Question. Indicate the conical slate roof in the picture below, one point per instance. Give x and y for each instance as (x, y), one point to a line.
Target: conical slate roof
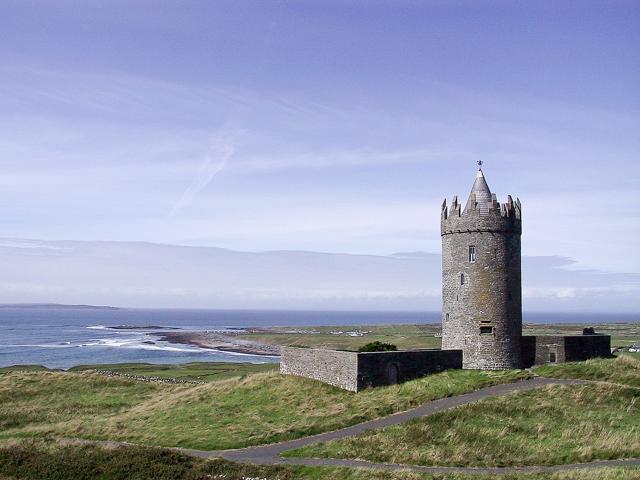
(480, 193)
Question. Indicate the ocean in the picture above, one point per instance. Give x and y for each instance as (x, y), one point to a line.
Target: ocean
(64, 337)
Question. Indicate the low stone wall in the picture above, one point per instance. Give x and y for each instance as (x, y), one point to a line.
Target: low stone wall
(584, 347)
(540, 349)
(337, 368)
(355, 371)
(388, 368)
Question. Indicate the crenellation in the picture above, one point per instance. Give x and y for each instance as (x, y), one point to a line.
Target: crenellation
(444, 210)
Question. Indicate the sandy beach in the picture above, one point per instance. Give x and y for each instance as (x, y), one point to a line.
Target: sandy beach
(220, 342)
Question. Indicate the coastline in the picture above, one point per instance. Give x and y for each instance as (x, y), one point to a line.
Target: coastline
(219, 342)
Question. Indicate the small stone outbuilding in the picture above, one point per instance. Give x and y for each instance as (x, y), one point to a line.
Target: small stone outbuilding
(550, 349)
(355, 371)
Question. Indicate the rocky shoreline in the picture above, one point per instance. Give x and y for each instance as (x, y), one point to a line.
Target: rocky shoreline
(219, 341)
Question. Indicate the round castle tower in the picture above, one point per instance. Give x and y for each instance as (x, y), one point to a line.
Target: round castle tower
(481, 280)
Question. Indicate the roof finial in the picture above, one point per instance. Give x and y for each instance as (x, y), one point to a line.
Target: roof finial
(480, 162)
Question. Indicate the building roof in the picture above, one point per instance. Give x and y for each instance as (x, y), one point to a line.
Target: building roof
(480, 194)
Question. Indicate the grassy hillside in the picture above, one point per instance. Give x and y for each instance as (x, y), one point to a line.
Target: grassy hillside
(50, 461)
(558, 424)
(553, 425)
(255, 409)
(624, 370)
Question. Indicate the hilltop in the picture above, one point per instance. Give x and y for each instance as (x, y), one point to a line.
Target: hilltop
(245, 408)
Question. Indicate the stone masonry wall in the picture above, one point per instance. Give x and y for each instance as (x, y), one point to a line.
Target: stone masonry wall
(388, 368)
(337, 368)
(355, 371)
(536, 350)
(583, 347)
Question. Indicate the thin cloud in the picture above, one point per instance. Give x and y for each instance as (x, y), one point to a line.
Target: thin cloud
(345, 158)
(221, 149)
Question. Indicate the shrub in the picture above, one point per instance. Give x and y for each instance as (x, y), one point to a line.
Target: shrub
(378, 347)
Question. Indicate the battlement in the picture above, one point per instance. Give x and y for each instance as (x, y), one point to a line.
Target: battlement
(508, 209)
(491, 216)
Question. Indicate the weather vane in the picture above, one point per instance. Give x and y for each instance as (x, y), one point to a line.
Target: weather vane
(480, 162)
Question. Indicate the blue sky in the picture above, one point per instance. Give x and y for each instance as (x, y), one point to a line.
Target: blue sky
(331, 126)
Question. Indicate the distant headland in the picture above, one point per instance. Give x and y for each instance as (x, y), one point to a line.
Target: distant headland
(57, 306)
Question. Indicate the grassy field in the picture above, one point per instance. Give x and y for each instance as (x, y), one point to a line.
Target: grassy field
(342, 338)
(26, 368)
(553, 425)
(41, 460)
(559, 424)
(197, 371)
(251, 410)
(624, 370)
(416, 336)
(200, 371)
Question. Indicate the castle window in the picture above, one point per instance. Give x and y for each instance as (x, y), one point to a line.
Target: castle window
(472, 253)
(462, 279)
(552, 356)
(446, 317)
(486, 330)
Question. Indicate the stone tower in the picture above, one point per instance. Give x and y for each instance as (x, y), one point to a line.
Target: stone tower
(481, 280)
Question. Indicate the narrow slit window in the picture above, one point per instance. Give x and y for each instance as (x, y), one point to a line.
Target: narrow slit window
(486, 330)
(446, 317)
(462, 279)
(472, 253)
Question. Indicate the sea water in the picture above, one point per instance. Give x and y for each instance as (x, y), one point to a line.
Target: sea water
(63, 337)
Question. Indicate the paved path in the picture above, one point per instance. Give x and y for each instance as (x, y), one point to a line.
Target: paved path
(324, 462)
(269, 454)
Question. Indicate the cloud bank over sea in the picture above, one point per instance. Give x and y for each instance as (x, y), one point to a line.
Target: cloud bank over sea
(137, 274)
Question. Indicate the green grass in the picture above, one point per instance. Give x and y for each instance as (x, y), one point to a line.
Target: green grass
(37, 400)
(624, 370)
(635, 355)
(549, 426)
(256, 409)
(25, 368)
(417, 336)
(403, 336)
(41, 460)
(198, 371)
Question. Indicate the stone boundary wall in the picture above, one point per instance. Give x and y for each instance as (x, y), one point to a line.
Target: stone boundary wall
(337, 368)
(567, 348)
(355, 371)
(387, 368)
(584, 347)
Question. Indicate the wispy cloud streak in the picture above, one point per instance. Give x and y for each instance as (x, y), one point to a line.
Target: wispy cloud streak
(222, 148)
